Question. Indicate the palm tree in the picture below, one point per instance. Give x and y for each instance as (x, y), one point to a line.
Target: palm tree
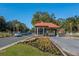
(71, 24)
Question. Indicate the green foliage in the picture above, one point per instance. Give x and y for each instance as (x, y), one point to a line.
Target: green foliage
(71, 24)
(5, 34)
(11, 26)
(2, 23)
(45, 17)
(16, 26)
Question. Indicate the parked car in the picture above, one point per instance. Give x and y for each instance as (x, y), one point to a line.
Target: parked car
(27, 33)
(18, 34)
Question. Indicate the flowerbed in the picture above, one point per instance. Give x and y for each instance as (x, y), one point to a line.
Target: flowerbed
(45, 45)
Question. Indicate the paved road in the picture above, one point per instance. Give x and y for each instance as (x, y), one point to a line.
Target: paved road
(68, 44)
(9, 40)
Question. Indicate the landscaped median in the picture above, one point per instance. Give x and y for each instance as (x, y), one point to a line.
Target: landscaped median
(45, 45)
(38, 47)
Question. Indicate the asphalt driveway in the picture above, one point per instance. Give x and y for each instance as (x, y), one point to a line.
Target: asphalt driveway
(10, 40)
(67, 44)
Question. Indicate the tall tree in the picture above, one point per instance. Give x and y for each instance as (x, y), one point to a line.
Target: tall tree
(16, 25)
(45, 17)
(2, 23)
(71, 24)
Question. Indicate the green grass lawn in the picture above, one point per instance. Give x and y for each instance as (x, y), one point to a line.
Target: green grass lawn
(22, 50)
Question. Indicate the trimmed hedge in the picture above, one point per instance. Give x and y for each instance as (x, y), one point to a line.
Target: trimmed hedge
(4, 34)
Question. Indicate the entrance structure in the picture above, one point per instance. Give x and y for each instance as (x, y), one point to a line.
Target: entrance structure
(43, 28)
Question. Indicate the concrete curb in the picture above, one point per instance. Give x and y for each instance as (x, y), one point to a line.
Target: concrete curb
(59, 48)
(17, 42)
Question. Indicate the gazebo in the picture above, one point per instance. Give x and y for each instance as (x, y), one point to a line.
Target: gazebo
(43, 28)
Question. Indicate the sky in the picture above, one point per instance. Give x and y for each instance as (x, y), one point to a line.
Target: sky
(23, 12)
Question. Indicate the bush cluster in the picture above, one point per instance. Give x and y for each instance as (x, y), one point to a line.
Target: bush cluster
(4, 34)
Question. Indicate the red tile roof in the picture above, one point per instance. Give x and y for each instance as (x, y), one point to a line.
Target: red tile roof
(44, 24)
